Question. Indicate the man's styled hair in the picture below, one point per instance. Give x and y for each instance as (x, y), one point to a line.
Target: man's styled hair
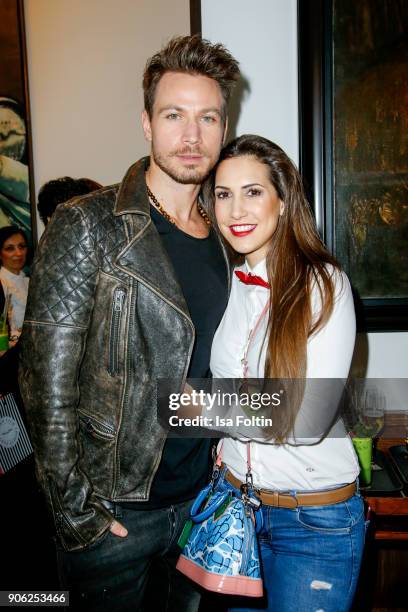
(192, 55)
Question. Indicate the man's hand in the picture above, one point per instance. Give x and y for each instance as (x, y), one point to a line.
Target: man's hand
(118, 529)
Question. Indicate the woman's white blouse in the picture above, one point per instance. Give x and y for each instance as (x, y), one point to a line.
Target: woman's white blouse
(15, 285)
(329, 352)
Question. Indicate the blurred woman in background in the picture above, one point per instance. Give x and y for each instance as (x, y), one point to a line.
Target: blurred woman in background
(13, 257)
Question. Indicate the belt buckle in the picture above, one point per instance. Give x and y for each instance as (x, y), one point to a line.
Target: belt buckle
(295, 498)
(288, 495)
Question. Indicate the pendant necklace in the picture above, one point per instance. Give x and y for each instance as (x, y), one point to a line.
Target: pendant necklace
(166, 215)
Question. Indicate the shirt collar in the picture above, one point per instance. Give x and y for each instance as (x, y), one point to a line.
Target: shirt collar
(258, 270)
(6, 274)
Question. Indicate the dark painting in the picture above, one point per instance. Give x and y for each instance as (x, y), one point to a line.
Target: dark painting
(370, 144)
(16, 184)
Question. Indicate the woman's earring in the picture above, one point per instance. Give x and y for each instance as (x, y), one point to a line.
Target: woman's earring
(282, 209)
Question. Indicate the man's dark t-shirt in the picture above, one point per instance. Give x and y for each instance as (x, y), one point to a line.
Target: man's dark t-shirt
(201, 269)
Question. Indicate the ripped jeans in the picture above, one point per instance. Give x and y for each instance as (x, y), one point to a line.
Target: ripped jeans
(311, 557)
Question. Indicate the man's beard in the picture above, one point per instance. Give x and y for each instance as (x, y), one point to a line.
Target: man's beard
(187, 175)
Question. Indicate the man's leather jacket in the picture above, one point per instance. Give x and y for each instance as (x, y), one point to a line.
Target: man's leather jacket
(105, 319)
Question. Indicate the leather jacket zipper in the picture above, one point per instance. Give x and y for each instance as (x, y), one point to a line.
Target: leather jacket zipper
(100, 431)
(117, 308)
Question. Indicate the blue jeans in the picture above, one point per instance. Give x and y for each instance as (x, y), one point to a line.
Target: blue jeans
(133, 573)
(310, 556)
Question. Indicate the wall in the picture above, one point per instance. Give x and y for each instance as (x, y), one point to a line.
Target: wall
(263, 37)
(85, 63)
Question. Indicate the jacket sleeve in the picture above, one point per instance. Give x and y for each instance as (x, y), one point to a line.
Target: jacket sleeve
(58, 314)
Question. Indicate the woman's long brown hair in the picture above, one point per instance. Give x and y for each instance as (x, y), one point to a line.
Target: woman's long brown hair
(296, 262)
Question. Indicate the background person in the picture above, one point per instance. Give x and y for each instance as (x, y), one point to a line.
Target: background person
(8, 358)
(290, 314)
(13, 258)
(61, 190)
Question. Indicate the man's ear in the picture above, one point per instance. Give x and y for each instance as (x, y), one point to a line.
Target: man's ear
(147, 128)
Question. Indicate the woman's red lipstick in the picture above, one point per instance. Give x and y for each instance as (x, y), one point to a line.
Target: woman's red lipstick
(241, 229)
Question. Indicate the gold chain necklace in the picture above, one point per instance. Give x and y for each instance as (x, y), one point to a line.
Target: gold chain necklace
(166, 215)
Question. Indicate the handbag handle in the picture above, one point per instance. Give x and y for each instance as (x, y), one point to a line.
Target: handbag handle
(217, 501)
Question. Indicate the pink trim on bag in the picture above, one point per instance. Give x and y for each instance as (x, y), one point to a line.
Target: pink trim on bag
(220, 583)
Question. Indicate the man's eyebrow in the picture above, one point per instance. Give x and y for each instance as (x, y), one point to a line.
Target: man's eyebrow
(212, 110)
(170, 107)
(181, 109)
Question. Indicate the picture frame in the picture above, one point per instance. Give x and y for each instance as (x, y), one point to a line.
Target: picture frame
(195, 17)
(353, 129)
(17, 194)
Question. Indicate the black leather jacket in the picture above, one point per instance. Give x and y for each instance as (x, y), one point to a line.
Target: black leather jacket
(105, 319)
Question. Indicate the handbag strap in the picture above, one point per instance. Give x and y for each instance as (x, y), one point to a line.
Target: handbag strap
(218, 460)
(248, 478)
(196, 514)
(218, 464)
(251, 336)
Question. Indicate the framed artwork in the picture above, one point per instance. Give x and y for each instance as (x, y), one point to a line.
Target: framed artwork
(195, 16)
(353, 77)
(17, 201)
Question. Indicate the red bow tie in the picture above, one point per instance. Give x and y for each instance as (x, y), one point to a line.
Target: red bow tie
(251, 279)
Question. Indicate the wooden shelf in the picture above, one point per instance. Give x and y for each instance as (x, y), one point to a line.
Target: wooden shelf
(390, 514)
(391, 535)
(388, 506)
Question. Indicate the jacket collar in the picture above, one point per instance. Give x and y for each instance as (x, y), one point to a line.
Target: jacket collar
(145, 257)
(132, 195)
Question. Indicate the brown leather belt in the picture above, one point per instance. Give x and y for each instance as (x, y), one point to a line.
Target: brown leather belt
(286, 500)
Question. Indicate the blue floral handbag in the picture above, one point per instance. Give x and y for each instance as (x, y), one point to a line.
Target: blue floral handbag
(220, 546)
